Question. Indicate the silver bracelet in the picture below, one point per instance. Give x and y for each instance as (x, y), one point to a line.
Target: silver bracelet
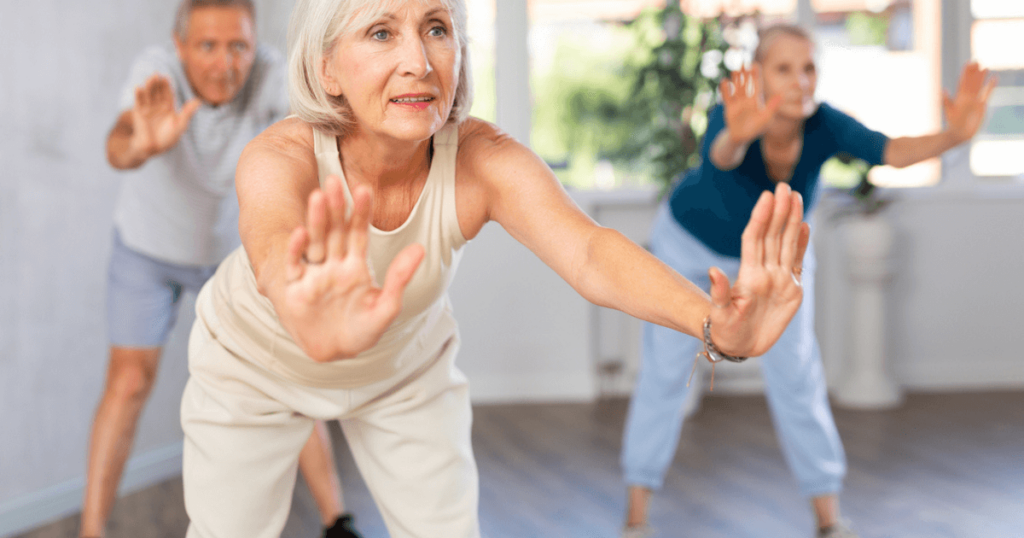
(713, 353)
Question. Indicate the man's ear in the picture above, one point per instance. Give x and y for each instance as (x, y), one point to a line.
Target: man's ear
(329, 83)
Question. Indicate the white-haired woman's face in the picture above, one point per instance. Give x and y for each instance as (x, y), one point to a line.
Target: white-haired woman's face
(788, 69)
(399, 74)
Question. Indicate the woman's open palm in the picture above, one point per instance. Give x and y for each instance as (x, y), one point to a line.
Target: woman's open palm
(749, 316)
(746, 114)
(335, 308)
(966, 111)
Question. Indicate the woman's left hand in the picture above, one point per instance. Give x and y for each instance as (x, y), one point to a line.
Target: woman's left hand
(966, 111)
(748, 317)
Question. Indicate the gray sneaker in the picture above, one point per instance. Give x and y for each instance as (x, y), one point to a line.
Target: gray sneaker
(643, 531)
(839, 530)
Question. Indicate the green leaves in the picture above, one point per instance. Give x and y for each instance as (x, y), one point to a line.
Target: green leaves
(637, 97)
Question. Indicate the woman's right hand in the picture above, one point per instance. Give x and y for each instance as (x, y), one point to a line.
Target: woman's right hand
(331, 303)
(746, 114)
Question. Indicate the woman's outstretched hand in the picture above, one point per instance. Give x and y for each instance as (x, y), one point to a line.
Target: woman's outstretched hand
(332, 305)
(751, 314)
(746, 113)
(966, 111)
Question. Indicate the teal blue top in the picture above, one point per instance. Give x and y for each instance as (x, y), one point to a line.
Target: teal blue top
(715, 205)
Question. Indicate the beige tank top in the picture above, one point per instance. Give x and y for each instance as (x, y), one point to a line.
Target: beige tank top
(244, 321)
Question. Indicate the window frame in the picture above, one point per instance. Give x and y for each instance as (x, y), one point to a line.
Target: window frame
(514, 109)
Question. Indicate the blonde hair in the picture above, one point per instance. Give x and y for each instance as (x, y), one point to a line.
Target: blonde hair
(314, 29)
(768, 35)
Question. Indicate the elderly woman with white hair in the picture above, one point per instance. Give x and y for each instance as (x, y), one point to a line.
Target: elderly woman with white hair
(353, 218)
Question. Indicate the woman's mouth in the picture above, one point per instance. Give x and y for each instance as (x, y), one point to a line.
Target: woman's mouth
(418, 103)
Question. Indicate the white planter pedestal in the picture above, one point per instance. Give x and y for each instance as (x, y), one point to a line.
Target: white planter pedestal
(867, 382)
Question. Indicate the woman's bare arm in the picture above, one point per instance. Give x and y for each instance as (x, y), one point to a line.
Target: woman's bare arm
(964, 116)
(524, 196)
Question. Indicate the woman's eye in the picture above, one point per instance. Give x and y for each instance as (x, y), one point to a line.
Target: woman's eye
(438, 31)
(381, 35)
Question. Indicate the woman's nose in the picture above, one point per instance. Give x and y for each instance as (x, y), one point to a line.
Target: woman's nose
(415, 61)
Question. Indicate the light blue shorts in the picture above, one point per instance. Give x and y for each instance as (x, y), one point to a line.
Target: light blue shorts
(143, 295)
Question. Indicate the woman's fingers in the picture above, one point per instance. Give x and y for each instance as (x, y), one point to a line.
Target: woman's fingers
(773, 236)
(337, 230)
(316, 225)
(801, 247)
(294, 268)
(403, 267)
(791, 235)
(721, 296)
(987, 90)
(724, 89)
(359, 230)
(752, 240)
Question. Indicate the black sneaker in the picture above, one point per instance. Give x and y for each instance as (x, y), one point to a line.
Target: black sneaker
(344, 527)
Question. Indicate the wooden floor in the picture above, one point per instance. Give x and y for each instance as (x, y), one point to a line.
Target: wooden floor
(942, 466)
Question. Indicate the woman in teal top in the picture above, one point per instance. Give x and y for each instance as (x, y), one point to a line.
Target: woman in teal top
(770, 130)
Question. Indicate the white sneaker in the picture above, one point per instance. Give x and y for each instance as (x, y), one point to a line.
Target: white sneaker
(644, 531)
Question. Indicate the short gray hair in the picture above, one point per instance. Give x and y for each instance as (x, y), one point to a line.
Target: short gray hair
(188, 6)
(769, 34)
(314, 29)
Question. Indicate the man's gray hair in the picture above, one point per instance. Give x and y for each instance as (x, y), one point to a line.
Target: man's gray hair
(315, 28)
(188, 6)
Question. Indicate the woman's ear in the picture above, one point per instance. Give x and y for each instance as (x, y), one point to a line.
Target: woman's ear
(329, 83)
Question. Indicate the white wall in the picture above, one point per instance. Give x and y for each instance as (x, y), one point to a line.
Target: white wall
(61, 72)
(956, 301)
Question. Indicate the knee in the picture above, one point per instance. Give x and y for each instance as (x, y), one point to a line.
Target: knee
(130, 382)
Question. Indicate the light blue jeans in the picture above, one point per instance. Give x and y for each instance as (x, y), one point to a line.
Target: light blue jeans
(793, 375)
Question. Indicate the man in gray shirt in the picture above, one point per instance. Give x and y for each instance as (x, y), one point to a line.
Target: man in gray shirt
(189, 108)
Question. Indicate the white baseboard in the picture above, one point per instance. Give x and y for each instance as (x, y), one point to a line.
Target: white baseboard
(521, 388)
(963, 375)
(61, 500)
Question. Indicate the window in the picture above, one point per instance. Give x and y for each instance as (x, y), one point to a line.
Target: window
(997, 39)
(880, 62)
(578, 50)
(481, 53)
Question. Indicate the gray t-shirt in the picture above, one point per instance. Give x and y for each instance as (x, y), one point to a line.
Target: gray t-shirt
(180, 206)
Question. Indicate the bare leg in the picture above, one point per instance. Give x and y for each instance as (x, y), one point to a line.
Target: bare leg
(637, 500)
(316, 461)
(130, 377)
(826, 510)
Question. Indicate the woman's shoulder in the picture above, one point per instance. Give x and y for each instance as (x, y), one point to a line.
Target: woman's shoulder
(828, 115)
(482, 141)
(476, 134)
(290, 135)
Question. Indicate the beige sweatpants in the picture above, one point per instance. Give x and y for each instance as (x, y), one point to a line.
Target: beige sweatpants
(245, 426)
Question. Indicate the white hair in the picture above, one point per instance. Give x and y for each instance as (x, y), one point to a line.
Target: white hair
(186, 8)
(314, 29)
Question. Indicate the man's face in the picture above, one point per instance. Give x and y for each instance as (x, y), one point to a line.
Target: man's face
(217, 52)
